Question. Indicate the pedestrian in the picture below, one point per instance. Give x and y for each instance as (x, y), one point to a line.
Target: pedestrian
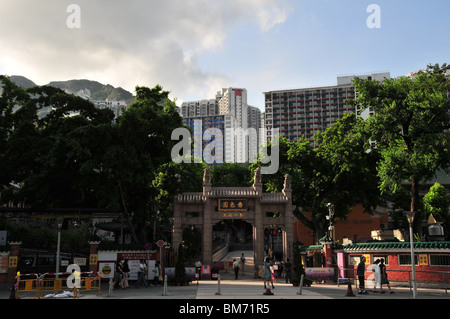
(384, 277)
(198, 268)
(242, 262)
(142, 271)
(236, 268)
(267, 274)
(126, 274)
(360, 271)
(156, 274)
(377, 275)
(277, 269)
(287, 271)
(118, 275)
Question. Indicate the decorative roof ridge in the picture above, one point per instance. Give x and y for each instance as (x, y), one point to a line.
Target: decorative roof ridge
(397, 245)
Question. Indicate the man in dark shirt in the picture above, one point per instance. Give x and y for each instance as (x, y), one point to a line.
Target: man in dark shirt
(360, 270)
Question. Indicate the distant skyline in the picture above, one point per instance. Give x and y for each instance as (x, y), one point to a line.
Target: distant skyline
(193, 48)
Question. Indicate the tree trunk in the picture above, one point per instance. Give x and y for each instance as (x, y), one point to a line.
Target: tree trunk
(127, 216)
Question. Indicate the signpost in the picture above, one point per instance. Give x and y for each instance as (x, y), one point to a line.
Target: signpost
(160, 243)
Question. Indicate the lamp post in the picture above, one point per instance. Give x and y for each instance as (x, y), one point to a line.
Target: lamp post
(59, 222)
(331, 210)
(410, 217)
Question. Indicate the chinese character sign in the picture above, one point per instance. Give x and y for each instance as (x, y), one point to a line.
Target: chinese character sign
(232, 205)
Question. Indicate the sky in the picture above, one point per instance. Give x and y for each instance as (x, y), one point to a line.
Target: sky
(194, 48)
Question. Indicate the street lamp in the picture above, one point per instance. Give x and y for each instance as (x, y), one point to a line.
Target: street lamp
(59, 222)
(410, 217)
(331, 210)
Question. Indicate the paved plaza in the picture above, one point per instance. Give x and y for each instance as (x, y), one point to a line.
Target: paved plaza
(245, 289)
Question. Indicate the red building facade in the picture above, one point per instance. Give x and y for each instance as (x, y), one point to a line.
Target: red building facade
(358, 226)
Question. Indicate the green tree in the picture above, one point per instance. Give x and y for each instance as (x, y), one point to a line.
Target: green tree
(437, 202)
(142, 146)
(180, 271)
(340, 171)
(411, 115)
(76, 157)
(231, 175)
(39, 153)
(173, 179)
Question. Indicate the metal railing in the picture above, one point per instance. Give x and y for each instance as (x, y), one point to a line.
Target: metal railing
(351, 275)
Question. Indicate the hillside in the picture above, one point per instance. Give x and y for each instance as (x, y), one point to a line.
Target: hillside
(98, 91)
(23, 81)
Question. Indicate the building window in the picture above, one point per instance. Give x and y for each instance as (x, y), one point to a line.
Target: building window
(440, 260)
(385, 257)
(405, 260)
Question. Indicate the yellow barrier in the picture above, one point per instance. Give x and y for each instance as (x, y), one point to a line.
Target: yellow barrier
(52, 283)
(27, 285)
(81, 284)
(88, 284)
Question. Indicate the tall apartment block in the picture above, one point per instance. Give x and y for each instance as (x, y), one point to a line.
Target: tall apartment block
(231, 114)
(304, 112)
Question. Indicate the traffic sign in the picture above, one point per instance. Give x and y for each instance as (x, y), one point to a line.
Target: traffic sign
(160, 243)
(148, 246)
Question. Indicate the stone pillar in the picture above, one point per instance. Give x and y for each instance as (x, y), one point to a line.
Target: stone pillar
(258, 228)
(328, 251)
(207, 211)
(13, 261)
(288, 235)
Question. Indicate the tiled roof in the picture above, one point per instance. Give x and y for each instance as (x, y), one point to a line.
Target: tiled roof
(396, 246)
(386, 246)
(115, 225)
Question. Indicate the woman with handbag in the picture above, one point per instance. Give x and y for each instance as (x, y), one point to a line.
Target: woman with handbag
(384, 277)
(267, 274)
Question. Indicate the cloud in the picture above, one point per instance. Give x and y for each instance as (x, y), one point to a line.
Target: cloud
(126, 43)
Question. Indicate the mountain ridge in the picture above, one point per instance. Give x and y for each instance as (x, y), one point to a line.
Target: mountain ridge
(97, 90)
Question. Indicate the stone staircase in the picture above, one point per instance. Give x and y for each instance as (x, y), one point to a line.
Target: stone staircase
(246, 272)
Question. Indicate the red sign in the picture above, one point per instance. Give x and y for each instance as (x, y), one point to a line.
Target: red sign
(206, 270)
(135, 256)
(160, 243)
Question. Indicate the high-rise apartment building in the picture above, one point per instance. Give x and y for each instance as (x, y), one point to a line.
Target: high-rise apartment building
(304, 112)
(230, 113)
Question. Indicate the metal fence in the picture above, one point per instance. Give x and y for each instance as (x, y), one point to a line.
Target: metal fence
(420, 278)
(52, 283)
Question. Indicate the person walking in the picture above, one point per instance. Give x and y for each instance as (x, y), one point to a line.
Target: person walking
(236, 268)
(377, 275)
(287, 271)
(142, 271)
(126, 274)
(267, 274)
(384, 277)
(360, 271)
(243, 263)
(157, 273)
(118, 275)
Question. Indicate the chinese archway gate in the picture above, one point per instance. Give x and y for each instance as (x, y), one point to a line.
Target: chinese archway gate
(249, 204)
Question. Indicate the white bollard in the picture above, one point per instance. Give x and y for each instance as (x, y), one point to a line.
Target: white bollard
(218, 284)
(111, 287)
(165, 286)
(300, 288)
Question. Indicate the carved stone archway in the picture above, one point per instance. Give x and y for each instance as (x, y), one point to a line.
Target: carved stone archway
(250, 204)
